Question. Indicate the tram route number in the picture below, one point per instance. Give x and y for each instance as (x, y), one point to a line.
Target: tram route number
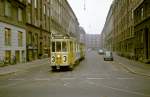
(53, 59)
(64, 58)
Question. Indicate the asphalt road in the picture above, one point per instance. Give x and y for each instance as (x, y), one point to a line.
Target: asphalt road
(93, 77)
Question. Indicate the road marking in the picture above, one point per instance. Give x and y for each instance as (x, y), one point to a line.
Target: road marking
(67, 84)
(90, 82)
(125, 78)
(42, 79)
(17, 79)
(68, 78)
(123, 90)
(95, 78)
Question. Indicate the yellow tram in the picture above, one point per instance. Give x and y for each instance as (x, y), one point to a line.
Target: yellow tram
(65, 52)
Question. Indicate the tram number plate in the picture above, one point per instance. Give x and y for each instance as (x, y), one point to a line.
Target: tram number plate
(53, 59)
(65, 58)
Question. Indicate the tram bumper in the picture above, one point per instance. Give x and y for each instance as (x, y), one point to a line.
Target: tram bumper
(58, 66)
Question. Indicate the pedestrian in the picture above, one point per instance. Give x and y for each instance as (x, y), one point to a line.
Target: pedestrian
(14, 59)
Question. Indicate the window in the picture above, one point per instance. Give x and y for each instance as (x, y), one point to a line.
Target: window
(7, 8)
(49, 41)
(7, 37)
(36, 39)
(20, 16)
(7, 56)
(58, 46)
(53, 46)
(21, 0)
(29, 1)
(44, 9)
(20, 39)
(52, 2)
(142, 13)
(45, 38)
(64, 47)
(30, 38)
(48, 12)
(35, 3)
(29, 17)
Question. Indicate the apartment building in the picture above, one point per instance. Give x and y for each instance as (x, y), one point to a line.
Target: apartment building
(82, 35)
(142, 31)
(12, 31)
(63, 19)
(26, 27)
(107, 32)
(93, 41)
(38, 29)
(121, 34)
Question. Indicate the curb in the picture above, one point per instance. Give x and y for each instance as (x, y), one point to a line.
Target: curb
(21, 69)
(133, 71)
(9, 73)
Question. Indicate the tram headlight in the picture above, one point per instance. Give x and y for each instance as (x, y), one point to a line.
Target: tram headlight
(58, 56)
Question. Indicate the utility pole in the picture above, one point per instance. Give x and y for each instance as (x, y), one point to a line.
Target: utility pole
(84, 5)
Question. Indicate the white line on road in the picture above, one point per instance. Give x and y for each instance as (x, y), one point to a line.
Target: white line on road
(17, 79)
(127, 91)
(125, 78)
(68, 78)
(42, 79)
(96, 78)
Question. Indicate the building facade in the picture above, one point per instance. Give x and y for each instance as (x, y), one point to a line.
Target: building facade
(107, 33)
(124, 27)
(12, 31)
(82, 35)
(120, 37)
(142, 31)
(63, 19)
(38, 29)
(26, 27)
(93, 41)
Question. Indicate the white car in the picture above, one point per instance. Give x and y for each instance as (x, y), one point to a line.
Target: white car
(101, 51)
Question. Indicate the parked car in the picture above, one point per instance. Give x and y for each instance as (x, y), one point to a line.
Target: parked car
(101, 51)
(108, 56)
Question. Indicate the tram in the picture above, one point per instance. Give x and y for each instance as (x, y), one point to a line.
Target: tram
(65, 52)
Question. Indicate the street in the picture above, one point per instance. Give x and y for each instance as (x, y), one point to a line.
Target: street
(93, 77)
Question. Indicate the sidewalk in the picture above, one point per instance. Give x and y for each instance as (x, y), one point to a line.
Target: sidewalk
(20, 67)
(133, 66)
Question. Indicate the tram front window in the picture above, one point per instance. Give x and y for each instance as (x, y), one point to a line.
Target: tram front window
(64, 47)
(53, 46)
(58, 46)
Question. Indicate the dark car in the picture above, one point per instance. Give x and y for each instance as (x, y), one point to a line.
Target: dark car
(108, 56)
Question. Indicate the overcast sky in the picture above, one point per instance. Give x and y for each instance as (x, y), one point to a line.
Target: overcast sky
(94, 16)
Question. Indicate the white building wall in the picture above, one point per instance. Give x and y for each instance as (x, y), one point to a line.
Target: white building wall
(14, 41)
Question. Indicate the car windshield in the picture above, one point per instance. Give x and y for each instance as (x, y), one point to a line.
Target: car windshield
(100, 50)
(108, 54)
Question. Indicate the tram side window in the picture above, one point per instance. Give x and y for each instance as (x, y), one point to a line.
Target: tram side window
(64, 47)
(71, 46)
(53, 46)
(58, 46)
